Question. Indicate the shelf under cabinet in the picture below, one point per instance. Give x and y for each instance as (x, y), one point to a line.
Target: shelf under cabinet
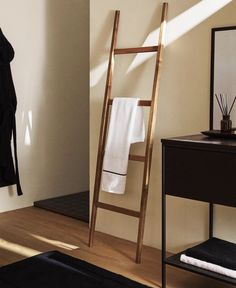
(174, 260)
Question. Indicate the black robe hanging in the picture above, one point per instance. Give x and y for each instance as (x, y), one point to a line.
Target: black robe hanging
(8, 102)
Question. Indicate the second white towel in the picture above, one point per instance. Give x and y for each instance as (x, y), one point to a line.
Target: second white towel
(126, 127)
(208, 266)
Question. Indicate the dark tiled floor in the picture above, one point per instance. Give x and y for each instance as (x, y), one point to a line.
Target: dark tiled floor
(73, 205)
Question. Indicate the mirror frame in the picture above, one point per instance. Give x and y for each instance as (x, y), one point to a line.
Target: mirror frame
(213, 31)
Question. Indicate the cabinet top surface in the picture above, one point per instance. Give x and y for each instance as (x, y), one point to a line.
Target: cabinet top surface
(200, 140)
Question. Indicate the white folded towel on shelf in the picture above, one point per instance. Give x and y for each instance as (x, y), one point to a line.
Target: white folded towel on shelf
(208, 266)
(126, 127)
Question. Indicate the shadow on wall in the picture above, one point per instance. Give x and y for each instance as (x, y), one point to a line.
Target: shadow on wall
(60, 128)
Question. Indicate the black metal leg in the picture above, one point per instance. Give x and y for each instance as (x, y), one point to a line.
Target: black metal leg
(163, 222)
(163, 240)
(211, 220)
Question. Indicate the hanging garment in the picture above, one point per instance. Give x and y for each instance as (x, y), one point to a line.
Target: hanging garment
(126, 127)
(8, 103)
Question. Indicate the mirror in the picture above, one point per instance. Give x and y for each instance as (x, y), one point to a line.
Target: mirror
(223, 72)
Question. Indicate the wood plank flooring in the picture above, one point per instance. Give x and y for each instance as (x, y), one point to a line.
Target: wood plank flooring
(29, 231)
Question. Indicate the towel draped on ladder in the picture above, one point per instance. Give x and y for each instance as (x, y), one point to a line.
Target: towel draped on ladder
(126, 127)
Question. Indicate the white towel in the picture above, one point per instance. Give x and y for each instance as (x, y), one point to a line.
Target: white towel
(126, 127)
(208, 266)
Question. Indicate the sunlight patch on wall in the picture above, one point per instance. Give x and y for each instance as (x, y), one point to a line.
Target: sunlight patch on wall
(180, 25)
(27, 136)
(176, 28)
(30, 119)
(28, 127)
(97, 73)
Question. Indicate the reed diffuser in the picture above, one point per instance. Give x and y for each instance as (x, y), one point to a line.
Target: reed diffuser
(225, 123)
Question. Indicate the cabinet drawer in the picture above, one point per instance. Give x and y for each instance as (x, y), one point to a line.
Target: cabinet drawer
(197, 174)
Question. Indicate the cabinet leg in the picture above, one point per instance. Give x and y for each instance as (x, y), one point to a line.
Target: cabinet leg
(211, 220)
(163, 240)
(163, 275)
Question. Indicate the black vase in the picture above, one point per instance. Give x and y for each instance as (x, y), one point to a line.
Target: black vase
(226, 124)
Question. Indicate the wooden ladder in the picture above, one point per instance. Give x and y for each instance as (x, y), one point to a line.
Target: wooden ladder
(151, 129)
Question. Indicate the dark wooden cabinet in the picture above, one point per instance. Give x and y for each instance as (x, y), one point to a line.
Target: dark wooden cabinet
(199, 168)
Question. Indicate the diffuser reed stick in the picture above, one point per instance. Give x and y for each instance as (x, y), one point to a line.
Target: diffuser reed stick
(226, 123)
(223, 104)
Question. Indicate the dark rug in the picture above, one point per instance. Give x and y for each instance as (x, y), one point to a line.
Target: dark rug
(73, 205)
(55, 269)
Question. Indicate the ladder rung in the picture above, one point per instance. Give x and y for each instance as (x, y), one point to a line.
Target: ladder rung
(118, 209)
(136, 50)
(140, 103)
(136, 158)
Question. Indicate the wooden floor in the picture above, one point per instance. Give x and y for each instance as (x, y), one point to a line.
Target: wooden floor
(29, 231)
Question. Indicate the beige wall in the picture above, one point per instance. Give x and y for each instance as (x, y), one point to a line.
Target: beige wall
(183, 107)
(50, 71)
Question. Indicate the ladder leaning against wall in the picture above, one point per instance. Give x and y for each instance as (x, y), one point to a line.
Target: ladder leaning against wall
(146, 159)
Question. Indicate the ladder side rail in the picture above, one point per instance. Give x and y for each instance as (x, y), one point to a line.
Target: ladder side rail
(150, 134)
(103, 128)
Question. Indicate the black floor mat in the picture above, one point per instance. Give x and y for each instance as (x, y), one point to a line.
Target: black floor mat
(57, 270)
(73, 205)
